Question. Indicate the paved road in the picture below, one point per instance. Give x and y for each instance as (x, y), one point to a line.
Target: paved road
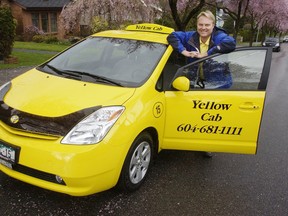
(184, 183)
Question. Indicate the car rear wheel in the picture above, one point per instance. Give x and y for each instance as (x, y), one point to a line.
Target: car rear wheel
(137, 163)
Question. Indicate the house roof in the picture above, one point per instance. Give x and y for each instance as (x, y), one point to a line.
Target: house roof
(41, 4)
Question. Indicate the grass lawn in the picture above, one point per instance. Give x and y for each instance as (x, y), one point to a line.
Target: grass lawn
(27, 59)
(32, 58)
(40, 46)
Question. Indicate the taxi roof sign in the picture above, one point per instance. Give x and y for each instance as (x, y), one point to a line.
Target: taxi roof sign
(150, 27)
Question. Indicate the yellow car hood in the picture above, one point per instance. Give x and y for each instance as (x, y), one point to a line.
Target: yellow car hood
(42, 94)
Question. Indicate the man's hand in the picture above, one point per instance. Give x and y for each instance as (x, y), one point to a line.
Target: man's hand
(201, 55)
(194, 54)
(191, 54)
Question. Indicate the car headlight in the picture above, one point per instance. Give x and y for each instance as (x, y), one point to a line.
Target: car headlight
(277, 44)
(4, 89)
(264, 43)
(93, 128)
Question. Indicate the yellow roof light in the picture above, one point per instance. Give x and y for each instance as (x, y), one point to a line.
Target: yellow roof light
(150, 27)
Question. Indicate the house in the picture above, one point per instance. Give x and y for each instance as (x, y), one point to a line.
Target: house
(44, 14)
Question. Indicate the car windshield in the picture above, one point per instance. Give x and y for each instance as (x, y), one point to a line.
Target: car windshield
(112, 61)
(272, 40)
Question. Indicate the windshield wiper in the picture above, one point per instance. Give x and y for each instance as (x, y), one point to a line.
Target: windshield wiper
(62, 72)
(79, 75)
(96, 77)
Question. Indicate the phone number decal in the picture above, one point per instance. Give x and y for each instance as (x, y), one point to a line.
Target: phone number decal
(210, 129)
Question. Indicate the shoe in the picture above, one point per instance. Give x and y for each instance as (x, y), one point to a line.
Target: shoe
(207, 154)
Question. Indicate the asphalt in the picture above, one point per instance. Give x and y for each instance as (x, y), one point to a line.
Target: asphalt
(8, 74)
(184, 183)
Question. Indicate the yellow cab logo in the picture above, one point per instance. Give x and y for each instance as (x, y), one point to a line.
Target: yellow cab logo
(149, 27)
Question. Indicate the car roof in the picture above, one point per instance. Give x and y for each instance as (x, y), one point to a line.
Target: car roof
(144, 32)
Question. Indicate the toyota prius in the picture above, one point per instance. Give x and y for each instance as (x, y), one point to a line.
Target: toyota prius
(96, 115)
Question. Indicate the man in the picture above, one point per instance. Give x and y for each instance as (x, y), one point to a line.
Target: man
(207, 40)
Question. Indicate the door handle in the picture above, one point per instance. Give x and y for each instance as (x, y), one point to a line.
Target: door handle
(249, 105)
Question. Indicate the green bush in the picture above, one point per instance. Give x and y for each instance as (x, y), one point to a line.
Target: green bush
(99, 24)
(38, 38)
(7, 32)
(45, 39)
(51, 39)
(245, 33)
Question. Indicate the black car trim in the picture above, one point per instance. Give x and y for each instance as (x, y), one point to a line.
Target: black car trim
(58, 126)
(37, 174)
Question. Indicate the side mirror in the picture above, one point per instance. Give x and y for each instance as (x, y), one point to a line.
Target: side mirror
(181, 83)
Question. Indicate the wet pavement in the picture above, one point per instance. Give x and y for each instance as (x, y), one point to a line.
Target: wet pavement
(8, 74)
(184, 183)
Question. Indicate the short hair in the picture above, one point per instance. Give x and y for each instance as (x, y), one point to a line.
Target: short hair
(207, 14)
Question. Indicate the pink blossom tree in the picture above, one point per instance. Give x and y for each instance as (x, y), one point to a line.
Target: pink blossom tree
(277, 16)
(183, 11)
(259, 13)
(236, 9)
(112, 11)
(267, 14)
(257, 16)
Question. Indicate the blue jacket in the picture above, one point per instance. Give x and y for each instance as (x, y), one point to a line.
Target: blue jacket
(220, 41)
(216, 75)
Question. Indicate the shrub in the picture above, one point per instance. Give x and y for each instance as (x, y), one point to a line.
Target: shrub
(45, 39)
(30, 32)
(74, 39)
(7, 32)
(38, 38)
(99, 24)
(50, 39)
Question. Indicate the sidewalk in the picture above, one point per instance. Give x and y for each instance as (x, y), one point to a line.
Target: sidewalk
(34, 51)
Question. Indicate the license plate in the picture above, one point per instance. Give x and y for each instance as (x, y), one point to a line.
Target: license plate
(8, 153)
(5, 163)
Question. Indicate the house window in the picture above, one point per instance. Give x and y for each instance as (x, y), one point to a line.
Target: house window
(35, 20)
(47, 22)
(53, 22)
(44, 22)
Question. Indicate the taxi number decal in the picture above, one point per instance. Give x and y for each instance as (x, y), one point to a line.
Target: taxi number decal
(157, 109)
(210, 129)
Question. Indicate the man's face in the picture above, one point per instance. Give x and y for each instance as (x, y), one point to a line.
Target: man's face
(204, 27)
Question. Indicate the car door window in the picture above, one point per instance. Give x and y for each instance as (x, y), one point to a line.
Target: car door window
(238, 70)
(175, 61)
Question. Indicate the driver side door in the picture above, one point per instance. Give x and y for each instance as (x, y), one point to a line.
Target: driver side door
(219, 119)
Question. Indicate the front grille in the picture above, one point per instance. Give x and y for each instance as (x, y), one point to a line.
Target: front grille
(57, 126)
(36, 173)
(270, 44)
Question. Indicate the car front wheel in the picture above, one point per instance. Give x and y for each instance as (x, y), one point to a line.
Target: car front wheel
(137, 163)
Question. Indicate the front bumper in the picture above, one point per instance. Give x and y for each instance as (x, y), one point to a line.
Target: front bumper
(274, 48)
(42, 160)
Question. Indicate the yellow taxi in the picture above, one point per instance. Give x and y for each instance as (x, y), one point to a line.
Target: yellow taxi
(95, 116)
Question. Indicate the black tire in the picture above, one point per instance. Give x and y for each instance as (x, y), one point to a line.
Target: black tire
(137, 163)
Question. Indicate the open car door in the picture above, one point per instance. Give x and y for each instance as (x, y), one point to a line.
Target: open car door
(221, 109)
